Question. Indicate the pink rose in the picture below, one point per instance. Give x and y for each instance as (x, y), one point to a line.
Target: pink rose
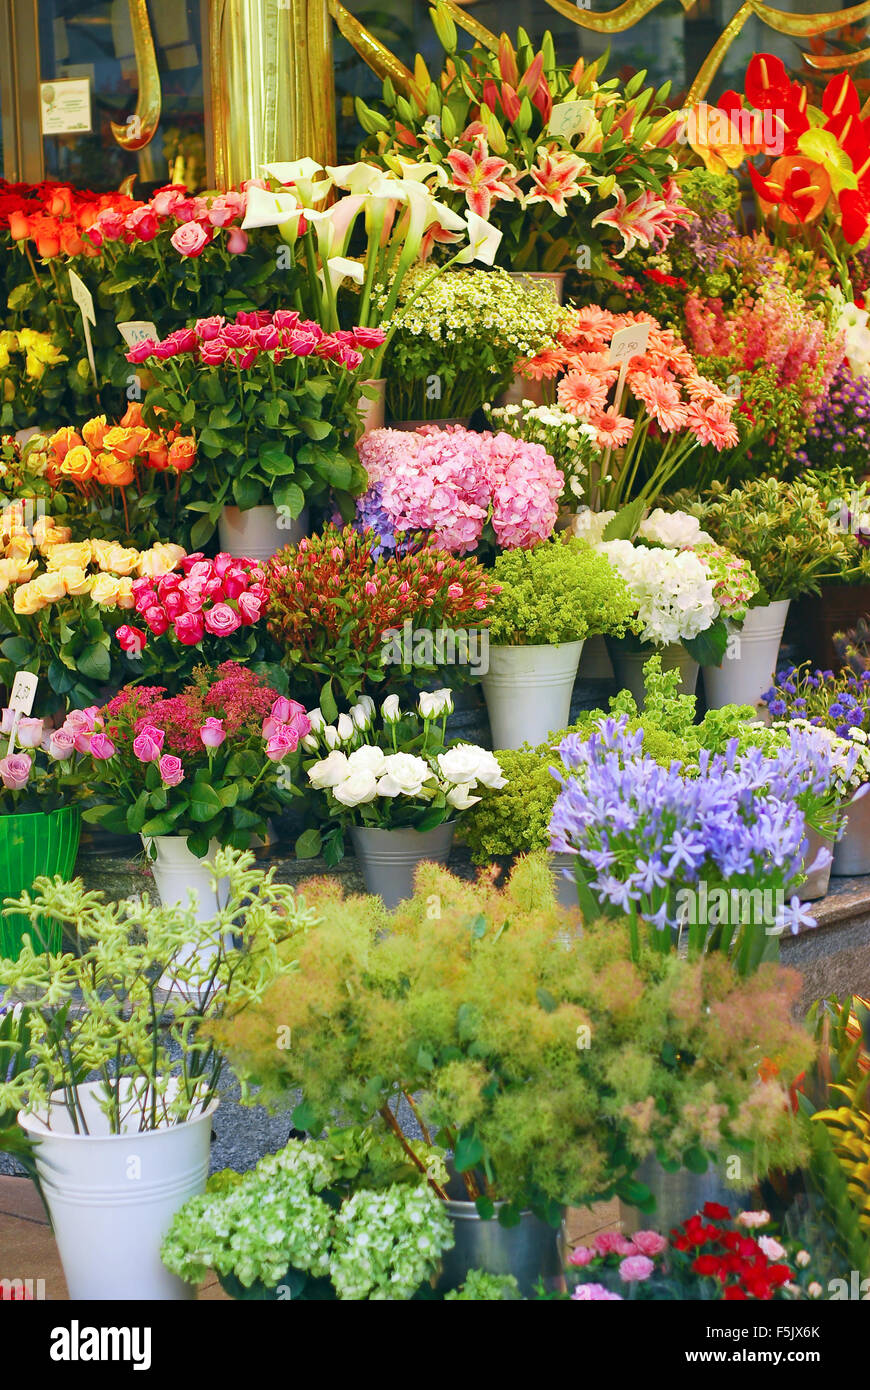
(222, 620)
(203, 569)
(186, 339)
(209, 329)
(212, 733)
(613, 1243)
(175, 603)
(143, 223)
(369, 337)
(266, 337)
(192, 594)
(141, 351)
(167, 199)
(101, 747)
(237, 241)
(649, 1242)
(582, 1255)
(156, 619)
(213, 354)
(61, 744)
(349, 357)
(166, 584)
(15, 770)
(220, 212)
(235, 582)
(237, 335)
(189, 628)
(190, 239)
(111, 223)
(148, 744)
(595, 1293)
(250, 609)
(282, 742)
(131, 639)
(213, 588)
(285, 318)
(301, 343)
(171, 770)
(222, 562)
(635, 1268)
(30, 732)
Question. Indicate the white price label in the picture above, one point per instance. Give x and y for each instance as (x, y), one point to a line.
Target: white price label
(569, 118)
(85, 301)
(628, 343)
(136, 331)
(23, 692)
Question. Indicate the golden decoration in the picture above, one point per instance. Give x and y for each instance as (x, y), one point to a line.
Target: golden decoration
(138, 130)
(381, 61)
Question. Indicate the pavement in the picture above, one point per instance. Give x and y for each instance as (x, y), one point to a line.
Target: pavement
(28, 1249)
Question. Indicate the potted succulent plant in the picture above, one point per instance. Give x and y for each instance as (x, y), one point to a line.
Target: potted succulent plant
(398, 789)
(469, 1022)
(145, 1113)
(551, 597)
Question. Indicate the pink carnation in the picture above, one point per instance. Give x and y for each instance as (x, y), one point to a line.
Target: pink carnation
(613, 1243)
(595, 1293)
(649, 1243)
(635, 1268)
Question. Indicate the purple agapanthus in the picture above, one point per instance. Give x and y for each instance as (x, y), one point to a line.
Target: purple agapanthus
(839, 702)
(644, 836)
(371, 514)
(840, 431)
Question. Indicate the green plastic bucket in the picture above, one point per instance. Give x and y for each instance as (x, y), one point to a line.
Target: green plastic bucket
(32, 845)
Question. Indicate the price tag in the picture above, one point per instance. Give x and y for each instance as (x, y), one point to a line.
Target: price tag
(85, 301)
(20, 702)
(136, 331)
(569, 118)
(627, 343)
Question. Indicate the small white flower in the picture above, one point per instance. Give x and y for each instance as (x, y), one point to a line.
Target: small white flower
(433, 704)
(390, 712)
(329, 772)
(359, 787)
(345, 728)
(330, 736)
(369, 757)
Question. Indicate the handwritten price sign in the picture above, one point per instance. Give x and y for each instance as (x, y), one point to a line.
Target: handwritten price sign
(628, 343)
(85, 301)
(136, 331)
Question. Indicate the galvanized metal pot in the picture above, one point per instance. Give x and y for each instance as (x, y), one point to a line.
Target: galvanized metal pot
(852, 853)
(528, 1251)
(815, 885)
(388, 858)
(678, 1196)
(629, 661)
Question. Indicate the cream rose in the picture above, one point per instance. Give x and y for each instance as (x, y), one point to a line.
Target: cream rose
(104, 590)
(75, 581)
(329, 772)
(76, 553)
(360, 786)
(28, 600)
(370, 758)
(403, 775)
(472, 765)
(51, 587)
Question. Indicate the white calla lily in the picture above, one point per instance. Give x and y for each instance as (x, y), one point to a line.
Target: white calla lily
(265, 208)
(483, 241)
(301, 174)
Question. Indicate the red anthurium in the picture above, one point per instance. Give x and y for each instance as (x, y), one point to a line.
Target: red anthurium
(841, 97)
(798, 187)
(767, 82)
(855, 212)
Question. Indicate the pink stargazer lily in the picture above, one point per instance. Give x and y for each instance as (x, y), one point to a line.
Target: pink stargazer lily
(651, 217)
(555, 177)
(479, 175)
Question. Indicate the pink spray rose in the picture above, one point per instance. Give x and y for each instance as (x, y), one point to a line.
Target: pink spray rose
(649, 1242)
(171, 770)
(61, 744)
(101, 747)
(148, 744)
(212, 733)
(613, 1243)
(189, 628)
(190, 239)
(29, 732)
(250, 609)
(582, 1255)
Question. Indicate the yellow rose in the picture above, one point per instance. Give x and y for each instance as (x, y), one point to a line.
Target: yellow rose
(45, 532)
(78, 464)
(70, 553)
(75, 581)
(161, 559)
(125, 593)
(49, 587)
(33, 367)
(19, 547)
(28, 600)
(120, 559)
(14, 571)
(4, 358)
(104, 590)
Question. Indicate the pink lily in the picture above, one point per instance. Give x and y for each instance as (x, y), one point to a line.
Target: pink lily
(479, 174)
(555, 179)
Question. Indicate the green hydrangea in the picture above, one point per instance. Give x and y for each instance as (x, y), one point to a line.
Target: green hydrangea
(480, 1287)
(558, 591)
(386, 1244)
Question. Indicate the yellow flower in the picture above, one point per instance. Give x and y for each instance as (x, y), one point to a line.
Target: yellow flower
(9, 340)
(125, 593)
(4, 358)
(75, 581)
(69, 553)
(104, 590)
(50, 586)
(162, 558)
(19, 546)
(33, 367)
(119, 559)
(46, 533)
(28, 600)
(14, 571)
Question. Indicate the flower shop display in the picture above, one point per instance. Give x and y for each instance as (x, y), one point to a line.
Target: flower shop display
(709, 1256)
(645, 836)
(191, 772)
(348, 1228)
(272, 402)
(399, 789)
(839, 430)
(31, 372)
(39, 821)
(651, 414)
(482, 1037)
(454, 340)
(468, 491)
(153, 1066)
(571, 443)
(537, 147)
(550, 598)
(347, 614)
(62, 603)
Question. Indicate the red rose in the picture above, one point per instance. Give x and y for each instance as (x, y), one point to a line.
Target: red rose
(285, 318)
(706, 1264)
(175, 604)
(189, 628)
(213, 354)
(369, 337)
(734, 1292)
(266, 337)
(300, 342)
(716, 1211)
(208, 329)
(140, 351)
(237, 335)
(143, 223)
(156, 619)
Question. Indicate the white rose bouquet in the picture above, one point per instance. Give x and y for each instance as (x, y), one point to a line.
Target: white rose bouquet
(398, 773)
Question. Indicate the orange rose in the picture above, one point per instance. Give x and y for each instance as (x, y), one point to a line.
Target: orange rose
(62, 441)
(78, 464)
(113, 471)
(19, 226)
(158, 456)
(60, 202)
(182, 453)
(126, 443)
(132, 416)
(70, 242)
(93, 432)
(46, 233)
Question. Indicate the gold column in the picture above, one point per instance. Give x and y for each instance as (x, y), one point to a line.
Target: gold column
(273, 92)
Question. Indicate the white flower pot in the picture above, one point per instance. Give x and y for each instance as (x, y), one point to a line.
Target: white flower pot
(744, 676)
(388, 859)
(179, 875)
(628, 667)
(260, 532)
(815, 885)
(371, 408)
(528, 692)
(852, 852)
(112, 1197)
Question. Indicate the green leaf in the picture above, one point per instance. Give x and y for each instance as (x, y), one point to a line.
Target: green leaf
(204, 802)
(138, 812)
(315, 429)
(709, 647)
(469, 1152)
(290, 495)
(308, 844)
(328, 707)
(17, 649)
(485, 1208)
(95, 662)
(304, 1117)
(546, 1000)
(623, 526)
(200, 532)
(247, 492)
(695, 1160)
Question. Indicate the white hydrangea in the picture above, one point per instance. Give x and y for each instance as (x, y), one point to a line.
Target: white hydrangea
(672, 589)
(678, 530)
(590, 526)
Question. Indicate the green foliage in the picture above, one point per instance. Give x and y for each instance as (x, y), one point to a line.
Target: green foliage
(480, 1287)
(558, 591)
(548, 1064)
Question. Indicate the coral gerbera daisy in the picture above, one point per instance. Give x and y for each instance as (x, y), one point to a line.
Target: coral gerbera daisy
(583, 394)
(614, 430)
